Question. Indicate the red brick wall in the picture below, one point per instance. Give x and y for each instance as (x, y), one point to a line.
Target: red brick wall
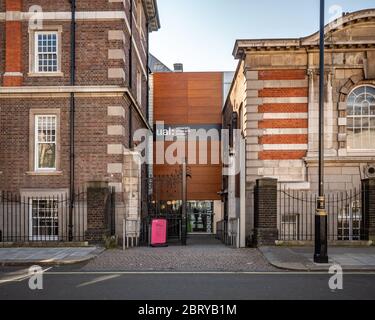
(281, 155)
(284, 139)
(282, 74)
(283, 123)
(283, 92)
(283, 108)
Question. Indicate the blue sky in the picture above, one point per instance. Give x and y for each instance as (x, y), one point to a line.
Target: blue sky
(201, 33)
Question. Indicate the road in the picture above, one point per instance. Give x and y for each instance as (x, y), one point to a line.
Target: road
(71, 283)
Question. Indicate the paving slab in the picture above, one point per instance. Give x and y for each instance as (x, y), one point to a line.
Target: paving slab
(47, 256)
(301, 258)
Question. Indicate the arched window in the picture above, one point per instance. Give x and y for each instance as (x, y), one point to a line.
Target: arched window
(361, 118)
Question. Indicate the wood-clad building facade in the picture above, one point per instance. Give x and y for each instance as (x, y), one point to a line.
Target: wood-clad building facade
(190, 102)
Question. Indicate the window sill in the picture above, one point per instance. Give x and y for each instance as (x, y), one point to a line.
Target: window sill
(45, 74)
(44, 173)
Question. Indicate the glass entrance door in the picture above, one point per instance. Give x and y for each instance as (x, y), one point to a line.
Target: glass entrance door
(200, 217)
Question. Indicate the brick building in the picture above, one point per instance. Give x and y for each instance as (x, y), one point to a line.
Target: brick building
(274, 102)
(73, 89)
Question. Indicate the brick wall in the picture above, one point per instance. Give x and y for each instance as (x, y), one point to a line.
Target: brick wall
(265, 212)
(91, 141)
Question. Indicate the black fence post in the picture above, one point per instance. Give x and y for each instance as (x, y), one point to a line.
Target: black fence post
(368, 209)
(265, 212)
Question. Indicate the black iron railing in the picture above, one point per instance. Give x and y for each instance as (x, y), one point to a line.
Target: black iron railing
(296, 213)
(29, 218)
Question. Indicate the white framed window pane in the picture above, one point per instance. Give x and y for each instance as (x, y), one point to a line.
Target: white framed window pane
(45, 142)
(46, 55)
(44, 216)
(46, 155)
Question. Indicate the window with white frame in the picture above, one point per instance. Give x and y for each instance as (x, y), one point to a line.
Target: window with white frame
(361, 119)
(46, 51)
(45, 142)
(44, 219)
(139, 86)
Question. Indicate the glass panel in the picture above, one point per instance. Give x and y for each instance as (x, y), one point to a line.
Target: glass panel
(366, 143)
(359, 91)
(372, 137)
(370, 91)
(350, 122)
(357, 139)
(358, 110)
(47, 156)
(365, 123)
(350, 134)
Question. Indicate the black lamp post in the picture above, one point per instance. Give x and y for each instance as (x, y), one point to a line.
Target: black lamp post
(321, 217)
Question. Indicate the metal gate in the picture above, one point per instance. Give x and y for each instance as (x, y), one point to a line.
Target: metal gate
(165, 202)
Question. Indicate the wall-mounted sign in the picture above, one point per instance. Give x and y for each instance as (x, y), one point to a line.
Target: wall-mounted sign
(171, 132)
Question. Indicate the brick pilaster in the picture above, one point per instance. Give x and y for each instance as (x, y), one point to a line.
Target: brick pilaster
(368, 209)
(13, 44)
(265, 212)
(98, 194)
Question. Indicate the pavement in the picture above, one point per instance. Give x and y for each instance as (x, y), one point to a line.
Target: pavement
(202, 253)
(301, 258)
(47, 256)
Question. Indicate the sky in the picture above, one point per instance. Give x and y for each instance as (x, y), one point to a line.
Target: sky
(201, 33)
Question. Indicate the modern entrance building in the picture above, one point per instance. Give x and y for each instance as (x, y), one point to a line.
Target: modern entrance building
(185, 103)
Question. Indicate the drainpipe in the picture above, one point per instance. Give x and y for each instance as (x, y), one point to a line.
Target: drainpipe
(72, 114)
(130, 124)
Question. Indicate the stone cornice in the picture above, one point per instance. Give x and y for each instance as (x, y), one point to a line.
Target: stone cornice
(152, 13)
(329, 161)
(62, 89)
(243, 45)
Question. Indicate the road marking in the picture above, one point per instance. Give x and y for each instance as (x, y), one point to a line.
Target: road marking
(97, 280)
(199, 273)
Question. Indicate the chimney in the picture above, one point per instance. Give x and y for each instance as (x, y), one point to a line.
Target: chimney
(178, 67)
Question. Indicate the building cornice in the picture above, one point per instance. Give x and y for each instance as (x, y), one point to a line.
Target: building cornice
(61, 89)
(312, 41)
(152, 14)
(64, 91)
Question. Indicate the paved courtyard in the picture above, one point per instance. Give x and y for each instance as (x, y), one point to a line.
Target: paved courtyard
(199, 255)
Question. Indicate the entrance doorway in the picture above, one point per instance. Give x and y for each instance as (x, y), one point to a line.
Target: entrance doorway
(200, 217)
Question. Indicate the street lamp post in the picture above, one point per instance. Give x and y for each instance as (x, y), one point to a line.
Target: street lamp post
(321, 217)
